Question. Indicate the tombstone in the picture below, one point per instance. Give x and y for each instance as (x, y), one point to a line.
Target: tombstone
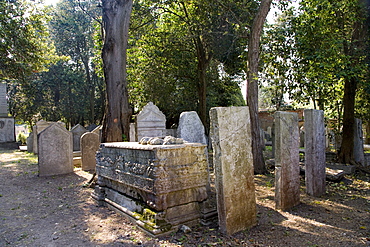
(233, 164)
(358, 143)
(55, 151)
(191, 128)
(98, 130)
(315, 160)
(3, 101)
(302, 133)
(90, 143)
(133, 133)
(150, 122)
(286, 160)
(77, 131)
(38, 128)
(30, 142)
(91, 127)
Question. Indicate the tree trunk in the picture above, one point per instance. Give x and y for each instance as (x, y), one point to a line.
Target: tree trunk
(346, 149)
(203, 63)
(116, 20)
(252, 84)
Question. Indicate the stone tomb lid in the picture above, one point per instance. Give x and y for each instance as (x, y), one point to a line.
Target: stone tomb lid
(136, 145)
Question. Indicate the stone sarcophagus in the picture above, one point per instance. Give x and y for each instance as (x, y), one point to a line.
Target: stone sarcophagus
(159, 186)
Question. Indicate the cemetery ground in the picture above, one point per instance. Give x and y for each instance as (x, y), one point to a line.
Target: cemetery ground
(59, 211)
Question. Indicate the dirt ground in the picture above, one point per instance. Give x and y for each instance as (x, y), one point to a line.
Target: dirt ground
(59, 211)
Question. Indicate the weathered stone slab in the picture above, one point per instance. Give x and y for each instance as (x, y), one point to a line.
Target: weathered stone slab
(286, 160)
(233, 164)
(160, 186)
(90, 143)
(40, 126)
(191, 128)
(358, 143)
(55, 151)
(150, 122)
(315, 158)
(7, 131)
(30, 142)
(77, 131)
(3, 101)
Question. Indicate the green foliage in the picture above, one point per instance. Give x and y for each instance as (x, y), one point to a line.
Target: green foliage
(22, 138)
(24, 47)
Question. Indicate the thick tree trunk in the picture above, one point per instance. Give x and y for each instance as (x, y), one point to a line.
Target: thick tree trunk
(346, 149)
(252, 84)
(116, 20)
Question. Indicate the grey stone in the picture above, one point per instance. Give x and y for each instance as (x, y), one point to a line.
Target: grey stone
(7, 131)
(55, 151)
(233, 164)
(286, 160)
(133, 132)
(30, 142)
(3, 101)
(150, 122)
(160, 186)
(90, 143)
(315, 152)
(191, 128)
(77, 131)
(358, 143)
(40, 126)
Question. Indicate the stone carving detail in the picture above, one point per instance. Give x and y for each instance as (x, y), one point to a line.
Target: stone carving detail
(168, 140)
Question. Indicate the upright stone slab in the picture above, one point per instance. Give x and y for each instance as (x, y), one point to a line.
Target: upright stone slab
(77, 132)
(150, 122)
(315, 160)
(90, 143)
(7, 131)
(3, 101)
(233, 162)
(55, 151)
(30, 143)
(286, 160)
(358, 143)
(133, 132)
(38, 128)
(191, 128)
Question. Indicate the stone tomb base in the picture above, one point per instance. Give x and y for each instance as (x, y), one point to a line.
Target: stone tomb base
(161, 187)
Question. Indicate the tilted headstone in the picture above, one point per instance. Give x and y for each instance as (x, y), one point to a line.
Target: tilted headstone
(77, 131)
(3, 101)
(191, 128)
(90, 143)
(55, 151)
(315, 161)
(233, 164)
(358, 143)
(150, 122)
(286, 160)
(30, 142)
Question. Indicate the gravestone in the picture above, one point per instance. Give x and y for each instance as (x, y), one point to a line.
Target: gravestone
(133, 133)
(77, 131)
(3, 101)
(98, 130)
(7, 129)
(191, 128)
(358, 143)
(286, 160)
(150, 122)
(7, 132)
(55, 151)
(30, 142)
(233, 164)
(38, 128)
(315, 160)
(90, 143)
